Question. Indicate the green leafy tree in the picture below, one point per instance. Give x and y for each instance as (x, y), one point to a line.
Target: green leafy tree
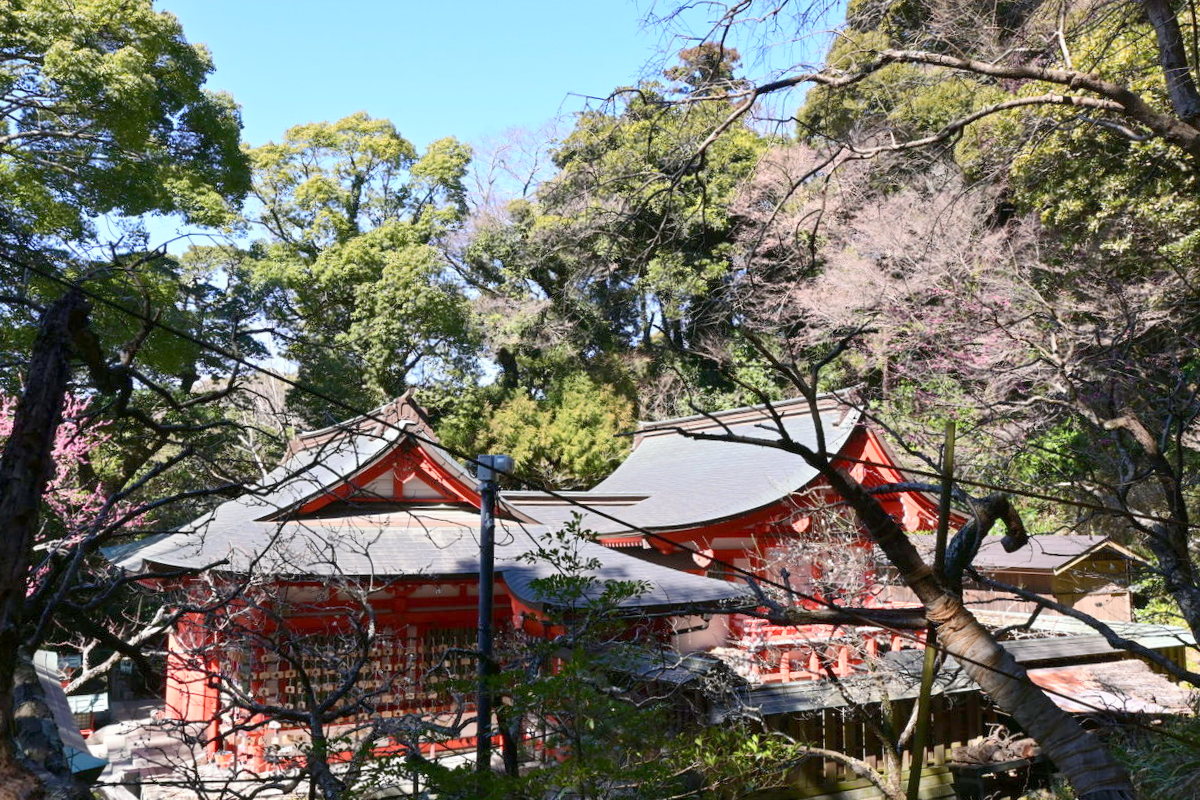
(1005, 195)
(358, 288)
(1111, 167)
(103, 114)
(625, 251)
(1020, 247)
(648, 207)
(569, 439)
(103, 111)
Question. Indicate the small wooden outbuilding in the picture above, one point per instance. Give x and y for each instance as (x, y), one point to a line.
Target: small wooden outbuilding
(1091, 574)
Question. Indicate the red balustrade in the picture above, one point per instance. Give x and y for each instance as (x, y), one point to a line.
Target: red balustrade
(771, 653)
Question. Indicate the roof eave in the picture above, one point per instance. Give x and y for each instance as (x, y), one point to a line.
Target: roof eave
(1103, 544)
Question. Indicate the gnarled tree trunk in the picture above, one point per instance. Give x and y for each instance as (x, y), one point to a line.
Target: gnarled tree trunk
(25, 469)
(1092, 771)
(1090, 768)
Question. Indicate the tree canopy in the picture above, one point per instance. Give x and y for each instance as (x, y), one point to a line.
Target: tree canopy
(104, 112)
(998, 202)
(978, 211)
(356, 284)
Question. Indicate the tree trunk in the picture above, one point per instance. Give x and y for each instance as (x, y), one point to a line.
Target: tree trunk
(1172, 57)
(1092, 771)
(1170, 545)
(509, 369)
(25, 468)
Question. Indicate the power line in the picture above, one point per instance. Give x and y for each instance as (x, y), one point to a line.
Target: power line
(472, 460)
(865, 620)
(1020, 492)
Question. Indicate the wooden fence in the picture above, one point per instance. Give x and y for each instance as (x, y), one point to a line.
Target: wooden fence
(956, 720)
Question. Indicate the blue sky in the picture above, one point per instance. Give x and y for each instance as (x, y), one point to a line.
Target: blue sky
(470, 69)
(473, 69)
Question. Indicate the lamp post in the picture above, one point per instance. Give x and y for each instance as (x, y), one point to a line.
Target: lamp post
(487, 469)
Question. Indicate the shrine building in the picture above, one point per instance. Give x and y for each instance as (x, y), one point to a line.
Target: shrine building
(344, 578)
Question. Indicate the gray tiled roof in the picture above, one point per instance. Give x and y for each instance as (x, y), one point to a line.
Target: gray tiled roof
(1042, 553)
(902, 673)
(671, 481)
(899, 679)
(235, 526)
(310, 472)
(406, 543)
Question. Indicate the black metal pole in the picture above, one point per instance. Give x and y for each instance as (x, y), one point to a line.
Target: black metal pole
(486, 472)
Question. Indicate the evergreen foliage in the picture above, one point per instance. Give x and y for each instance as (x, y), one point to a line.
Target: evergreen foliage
(355, 282)
(104, 112)
(982, 249)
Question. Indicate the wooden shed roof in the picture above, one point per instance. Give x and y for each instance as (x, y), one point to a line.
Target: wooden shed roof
(1055, 553)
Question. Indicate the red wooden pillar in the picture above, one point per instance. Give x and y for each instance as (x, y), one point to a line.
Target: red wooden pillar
(191, 685)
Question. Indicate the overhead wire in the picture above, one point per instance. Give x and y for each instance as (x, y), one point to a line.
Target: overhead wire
(1018, 492)
(748, 574)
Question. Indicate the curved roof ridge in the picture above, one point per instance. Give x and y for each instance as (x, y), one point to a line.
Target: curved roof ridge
(401, 412)
(788, 407)
(688, 481)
